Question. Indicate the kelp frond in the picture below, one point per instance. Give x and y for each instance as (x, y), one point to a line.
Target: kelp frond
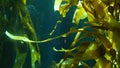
(15, 17)
(103, 18)
(26, 39)
(79, 13)
(63, 50)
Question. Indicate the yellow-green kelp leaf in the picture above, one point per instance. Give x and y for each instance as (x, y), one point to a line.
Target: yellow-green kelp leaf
(14, 37)
(80, 13)
(91, 17)
(64, 9)
(26, 39)
(20, 59)
(57, 23)
(65, 63)
(63, 50)
(57, 4)
(35, 56)
(88, 8)
(24, 1)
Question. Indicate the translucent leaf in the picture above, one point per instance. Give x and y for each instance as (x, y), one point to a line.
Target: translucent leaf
(26, 39)
(57, 5)
(64, 9)
(20, 59)
(90, 17)
(15, 37)
(35, 56)
(80, 13)
(24, 1)
(65, 63)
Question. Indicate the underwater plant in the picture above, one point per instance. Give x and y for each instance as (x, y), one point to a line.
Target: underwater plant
(15, 18)
(101, 27)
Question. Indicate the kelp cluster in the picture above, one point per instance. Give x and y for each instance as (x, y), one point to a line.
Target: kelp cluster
(103, 21)
(103, 28)
(15, 18)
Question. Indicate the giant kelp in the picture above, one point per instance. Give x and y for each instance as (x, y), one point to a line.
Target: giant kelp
(15, 18)
(103, 22)
(103, 19)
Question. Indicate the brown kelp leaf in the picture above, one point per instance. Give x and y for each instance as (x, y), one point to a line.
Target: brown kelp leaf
(103, 63)
(79, 54)
(99, 38)
(111, 55)
(85, 65)
(105, 42)
(87, 5)
(94, 51)
(73, 2)
(88, 51)
(80, 13)
(101, 9)
(83, 46)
